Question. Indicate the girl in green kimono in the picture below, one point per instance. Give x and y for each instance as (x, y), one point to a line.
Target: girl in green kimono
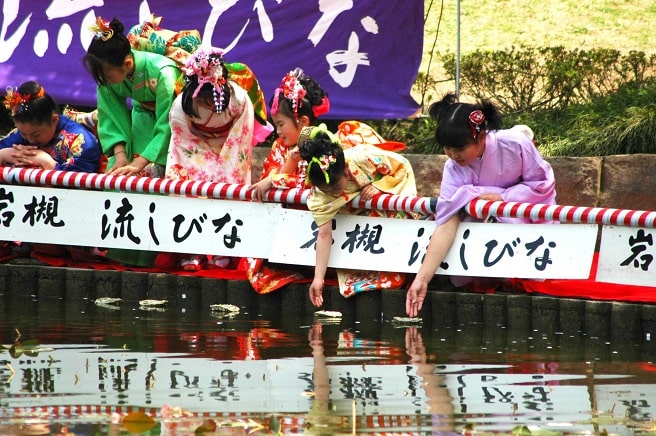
(136, 139)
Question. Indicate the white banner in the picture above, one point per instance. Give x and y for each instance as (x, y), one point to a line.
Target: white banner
(626, 255)
(266, 230)
(136, 221)
(487, 250)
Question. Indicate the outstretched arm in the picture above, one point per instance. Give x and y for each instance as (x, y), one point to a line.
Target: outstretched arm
(324, 241)
(441, 241)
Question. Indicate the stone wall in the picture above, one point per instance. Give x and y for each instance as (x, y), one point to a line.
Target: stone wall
(621, 182)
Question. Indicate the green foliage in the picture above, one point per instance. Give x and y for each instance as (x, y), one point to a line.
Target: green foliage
(579, 102)
(622, 122)
(417, 133)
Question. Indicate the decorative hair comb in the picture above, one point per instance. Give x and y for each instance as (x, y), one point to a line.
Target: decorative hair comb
(325, 161)
(291, 89)
(207, 66)
(102, 29)
(476, 120)
(16, 102)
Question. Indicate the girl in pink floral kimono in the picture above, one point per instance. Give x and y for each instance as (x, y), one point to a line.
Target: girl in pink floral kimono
(213, 131)
(485, 163)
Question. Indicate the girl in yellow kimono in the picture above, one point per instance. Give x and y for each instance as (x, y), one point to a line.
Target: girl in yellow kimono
(338, 176)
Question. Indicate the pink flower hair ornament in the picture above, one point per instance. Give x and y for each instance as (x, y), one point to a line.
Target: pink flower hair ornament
(291, 89)
(207, 66)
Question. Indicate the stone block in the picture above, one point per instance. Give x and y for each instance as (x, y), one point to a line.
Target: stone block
(495, 311)
(80, 284)
(293, 298)
(626, 182)
(134, 286)
(443, 308)
(469, 308)
(241, 294)
(213, 291)
(52, 283)
(161, 286)
(393, 303)
(187, 292)
(23, 281)
(545, 318)
(108, 284)
(368, 306)
(582, 172)
(572, 316)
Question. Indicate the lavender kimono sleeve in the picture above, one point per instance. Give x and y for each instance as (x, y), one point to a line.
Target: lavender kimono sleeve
(538, 183)
(456, 194)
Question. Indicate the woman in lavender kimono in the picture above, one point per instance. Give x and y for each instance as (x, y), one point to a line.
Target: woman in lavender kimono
(484, 163)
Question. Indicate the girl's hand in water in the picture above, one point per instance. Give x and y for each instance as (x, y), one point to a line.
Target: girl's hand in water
(415, 298)
(316, 292)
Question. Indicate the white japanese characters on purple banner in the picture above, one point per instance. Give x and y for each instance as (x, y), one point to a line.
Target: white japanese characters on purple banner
(349, 47)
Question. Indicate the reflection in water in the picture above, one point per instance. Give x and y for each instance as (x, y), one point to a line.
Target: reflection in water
(260, 374)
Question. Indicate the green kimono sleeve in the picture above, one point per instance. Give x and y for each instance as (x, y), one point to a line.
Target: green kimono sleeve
(114, 125)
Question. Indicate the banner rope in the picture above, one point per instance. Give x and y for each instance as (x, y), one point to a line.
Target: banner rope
(480, 209)
(188, 188)
(483, 209)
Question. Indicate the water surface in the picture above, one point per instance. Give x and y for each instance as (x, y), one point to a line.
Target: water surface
(80, 368)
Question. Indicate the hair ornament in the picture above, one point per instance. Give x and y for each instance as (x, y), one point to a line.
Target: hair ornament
(476, 120)
(101, 29)
(322, 108)
(208, 67)
(325, 161)
(16, 102)
(311, 132)
(292, 89)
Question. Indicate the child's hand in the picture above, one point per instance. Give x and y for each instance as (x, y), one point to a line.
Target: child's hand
(43, 160)
(490, 197)
(260, 188)
(316, 292)
(368, 192)
(120, 160)
(129, 169)
(414, 300)
(23, 155)
(294, 154)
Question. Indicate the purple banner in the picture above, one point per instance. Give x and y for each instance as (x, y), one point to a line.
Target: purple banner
(364, 53)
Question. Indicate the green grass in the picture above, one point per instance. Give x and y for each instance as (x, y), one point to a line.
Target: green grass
(495, 25)
(624, 122)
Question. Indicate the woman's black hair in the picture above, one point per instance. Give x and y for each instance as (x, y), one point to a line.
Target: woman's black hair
(206, 93)
(112, 52)
(314, 95)
(454, 128)
(321, 145)
(36, 110)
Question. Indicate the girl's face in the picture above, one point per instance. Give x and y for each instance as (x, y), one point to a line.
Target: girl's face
(288, 129)
(114, 75)
(467, 154)
(336, 188)
(38, 134)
